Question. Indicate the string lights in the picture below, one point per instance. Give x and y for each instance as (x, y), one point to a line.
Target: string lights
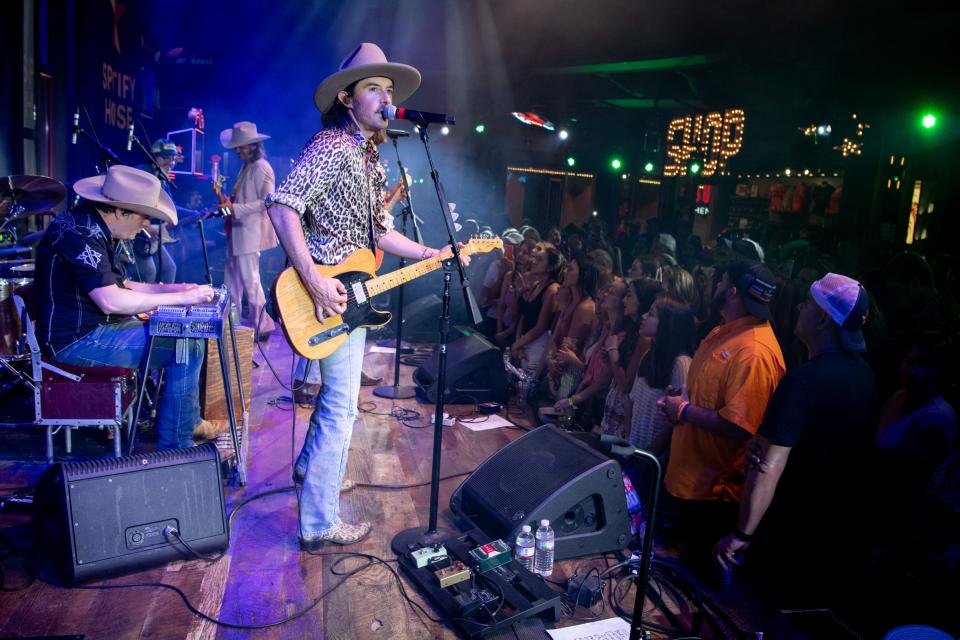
(713, 137)
(549, 172)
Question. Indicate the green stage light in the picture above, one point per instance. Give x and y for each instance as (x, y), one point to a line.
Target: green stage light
(929, 120)
(695, 167)
(571, 161)
(615, 164)
(649, 167)
(480, 128)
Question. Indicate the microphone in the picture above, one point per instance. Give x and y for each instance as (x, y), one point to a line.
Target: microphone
(130, 138)
(397, 133)
(391, 112)
(76, 126)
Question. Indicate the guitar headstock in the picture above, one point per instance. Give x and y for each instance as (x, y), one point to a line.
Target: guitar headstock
(483, 245)
(218, 183)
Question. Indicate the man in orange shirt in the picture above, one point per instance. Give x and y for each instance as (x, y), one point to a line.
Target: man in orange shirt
(733, 374)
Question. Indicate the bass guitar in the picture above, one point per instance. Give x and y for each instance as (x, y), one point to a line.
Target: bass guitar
(316, 340)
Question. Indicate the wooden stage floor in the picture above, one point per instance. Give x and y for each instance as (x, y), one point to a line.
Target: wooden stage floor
(264, 576)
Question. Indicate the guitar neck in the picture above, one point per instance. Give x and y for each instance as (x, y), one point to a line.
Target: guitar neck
(382, 284)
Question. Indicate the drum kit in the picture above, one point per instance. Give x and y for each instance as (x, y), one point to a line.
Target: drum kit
(20, 197)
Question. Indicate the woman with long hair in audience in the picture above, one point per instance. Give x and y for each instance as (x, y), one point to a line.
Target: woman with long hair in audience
(535, 306)
(576, 316)
(585, 402)
(623, 353)
(678, 283)
(671, 325)
(510, 288)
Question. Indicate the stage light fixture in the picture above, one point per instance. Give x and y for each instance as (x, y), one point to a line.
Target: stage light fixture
(563, 134)
(649, 167)
(594, 214)
(929, 120)
(445, 130)
(571, 161)
(695, 167)
(480, 128)
(824, 130)
(615, 164)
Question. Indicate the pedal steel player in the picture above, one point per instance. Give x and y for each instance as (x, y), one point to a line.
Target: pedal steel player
(86, 306)
(331, 205)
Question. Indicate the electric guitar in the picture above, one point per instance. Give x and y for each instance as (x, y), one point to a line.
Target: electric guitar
(316, 340)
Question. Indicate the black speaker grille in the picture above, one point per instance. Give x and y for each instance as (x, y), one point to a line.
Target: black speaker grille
(138, 462)
(547, 458)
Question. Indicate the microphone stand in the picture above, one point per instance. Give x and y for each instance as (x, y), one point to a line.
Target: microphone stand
(623, 448)
(395, 391)
(163, 178)
(401, 543)
(107, 157)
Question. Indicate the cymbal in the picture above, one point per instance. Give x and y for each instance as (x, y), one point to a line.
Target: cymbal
(35, 194)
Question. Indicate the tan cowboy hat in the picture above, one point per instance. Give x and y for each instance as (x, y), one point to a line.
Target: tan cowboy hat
(366, 61)
(129, 189)
(240, 134)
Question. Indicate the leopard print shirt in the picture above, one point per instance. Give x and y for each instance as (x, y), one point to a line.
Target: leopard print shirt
(334, 185)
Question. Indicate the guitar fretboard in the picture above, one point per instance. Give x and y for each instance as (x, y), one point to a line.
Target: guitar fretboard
(381, 284)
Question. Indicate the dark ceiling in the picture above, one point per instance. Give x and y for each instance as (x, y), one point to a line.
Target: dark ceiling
(615, 68)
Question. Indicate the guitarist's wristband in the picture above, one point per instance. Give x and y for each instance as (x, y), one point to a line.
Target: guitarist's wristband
(424, 255)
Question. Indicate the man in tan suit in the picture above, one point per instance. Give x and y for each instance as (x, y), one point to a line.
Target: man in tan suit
(249, 230)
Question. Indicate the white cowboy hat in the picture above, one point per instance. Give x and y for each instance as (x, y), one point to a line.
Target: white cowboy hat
(240, 134)
(366, 61)
(129, 189)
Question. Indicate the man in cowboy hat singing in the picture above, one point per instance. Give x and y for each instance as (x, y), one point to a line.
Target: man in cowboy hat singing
(86, 307)
(249, 230)
(331, 205)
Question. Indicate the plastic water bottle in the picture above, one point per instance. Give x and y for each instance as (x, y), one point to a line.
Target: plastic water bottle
(524, 550)
(543, 559)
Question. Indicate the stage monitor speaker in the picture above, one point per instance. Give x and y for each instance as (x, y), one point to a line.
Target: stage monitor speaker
(475, 372)
(102, 517)
(421, 319)
(548, 474)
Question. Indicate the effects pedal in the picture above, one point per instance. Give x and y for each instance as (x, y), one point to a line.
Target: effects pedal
(428, 555)
(470, 601)
(491, 555)
(456, 573)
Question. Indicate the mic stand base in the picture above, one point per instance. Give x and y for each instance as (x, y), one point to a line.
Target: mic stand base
(418, 536)
(396, 392)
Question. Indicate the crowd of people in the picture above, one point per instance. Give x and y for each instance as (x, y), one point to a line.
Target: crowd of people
(764, 380)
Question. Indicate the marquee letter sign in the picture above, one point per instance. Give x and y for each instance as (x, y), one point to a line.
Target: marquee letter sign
(711, 138)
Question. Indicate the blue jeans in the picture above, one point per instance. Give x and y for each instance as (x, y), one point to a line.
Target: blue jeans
(324, 454)
(124, 344)
(307, 371)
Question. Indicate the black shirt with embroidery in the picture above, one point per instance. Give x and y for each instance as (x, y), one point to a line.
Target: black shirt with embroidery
(76, 256)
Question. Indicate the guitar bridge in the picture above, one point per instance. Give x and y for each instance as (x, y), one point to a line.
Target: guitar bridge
(332, 332)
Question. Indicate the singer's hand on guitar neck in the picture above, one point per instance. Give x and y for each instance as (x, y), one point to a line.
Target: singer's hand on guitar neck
(329, 296)
(446, 251)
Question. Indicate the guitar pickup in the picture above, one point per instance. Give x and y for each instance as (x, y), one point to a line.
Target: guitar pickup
(332, 332)
(359, 293)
